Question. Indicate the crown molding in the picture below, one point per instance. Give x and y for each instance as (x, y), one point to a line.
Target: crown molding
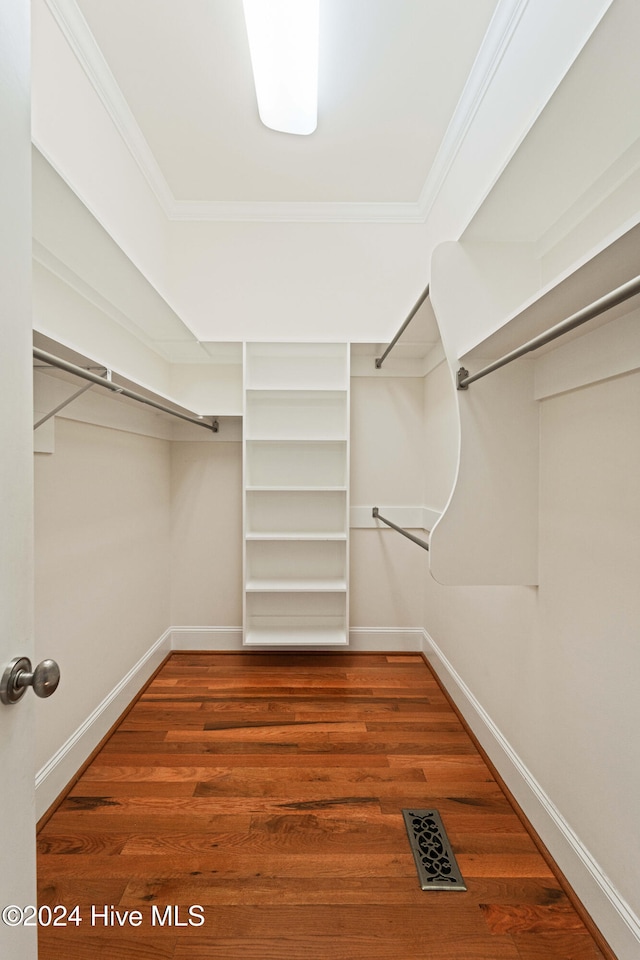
(295, 212)
(503, 25)
(76, 31)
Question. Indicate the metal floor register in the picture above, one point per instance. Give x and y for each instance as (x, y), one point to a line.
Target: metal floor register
(437, 866)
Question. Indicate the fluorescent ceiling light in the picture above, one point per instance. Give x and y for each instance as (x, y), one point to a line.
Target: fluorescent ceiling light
(283, 42)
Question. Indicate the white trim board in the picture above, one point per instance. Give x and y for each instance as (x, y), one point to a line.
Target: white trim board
(206, 638)
(601, 354)
(409, 517)
(405, 639)
(412, 359)
(611, 913)
(54, 776)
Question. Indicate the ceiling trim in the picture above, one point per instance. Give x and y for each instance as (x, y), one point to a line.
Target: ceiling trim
(76, 32)
(503, 25)
(296, 212)
(78, 35)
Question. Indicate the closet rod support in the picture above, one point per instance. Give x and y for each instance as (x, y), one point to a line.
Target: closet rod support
(108, 383)
(421, 543)
(610, 300)
(65, 403)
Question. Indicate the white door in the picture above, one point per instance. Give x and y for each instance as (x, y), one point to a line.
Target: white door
(17, 809)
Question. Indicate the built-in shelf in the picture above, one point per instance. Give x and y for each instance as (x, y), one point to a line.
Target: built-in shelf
(301, 514)
(296, 586)
(296, 366)
(302, 536)
(278, 488)
(295, 415)
(283, 633)
(296, 455)
(295, 463)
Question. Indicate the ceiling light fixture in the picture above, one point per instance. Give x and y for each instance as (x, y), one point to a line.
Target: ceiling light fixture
(283, 43)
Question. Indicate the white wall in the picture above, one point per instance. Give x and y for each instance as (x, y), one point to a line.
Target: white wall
(387, 470)
(137, 528)
(102, 539)
(585, 749)
(555, 668)
(206, 534)
(387, 452)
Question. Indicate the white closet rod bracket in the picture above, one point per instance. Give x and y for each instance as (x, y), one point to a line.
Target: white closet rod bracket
(107, 382)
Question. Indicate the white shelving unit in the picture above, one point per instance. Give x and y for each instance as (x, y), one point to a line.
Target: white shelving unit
(296, 503)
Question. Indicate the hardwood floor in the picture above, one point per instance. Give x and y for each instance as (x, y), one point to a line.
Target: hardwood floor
(264, 792)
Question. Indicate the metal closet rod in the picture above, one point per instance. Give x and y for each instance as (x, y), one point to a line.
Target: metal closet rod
(421, 299)
(409, 536)
(619, 295)
(54, 361)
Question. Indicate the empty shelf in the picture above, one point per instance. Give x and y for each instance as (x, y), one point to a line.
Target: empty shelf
(323, 585)
(303, 535)
(274, 636)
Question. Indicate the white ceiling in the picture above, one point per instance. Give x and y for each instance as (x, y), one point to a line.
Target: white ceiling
(391, 74)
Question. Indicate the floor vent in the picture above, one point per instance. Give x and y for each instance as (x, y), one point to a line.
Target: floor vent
(437, 867)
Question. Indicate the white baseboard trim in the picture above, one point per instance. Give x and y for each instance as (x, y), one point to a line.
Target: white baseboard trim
(206, 638)
(54, 776)
(613, 916)
(407, 639)
(381, 639)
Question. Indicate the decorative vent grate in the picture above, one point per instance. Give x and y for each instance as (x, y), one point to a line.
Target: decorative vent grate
(437, 867)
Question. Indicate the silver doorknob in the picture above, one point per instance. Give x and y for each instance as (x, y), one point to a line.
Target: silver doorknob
(19, 675)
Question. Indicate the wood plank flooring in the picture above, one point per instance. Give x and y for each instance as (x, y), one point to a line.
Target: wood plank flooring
(264, 791)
